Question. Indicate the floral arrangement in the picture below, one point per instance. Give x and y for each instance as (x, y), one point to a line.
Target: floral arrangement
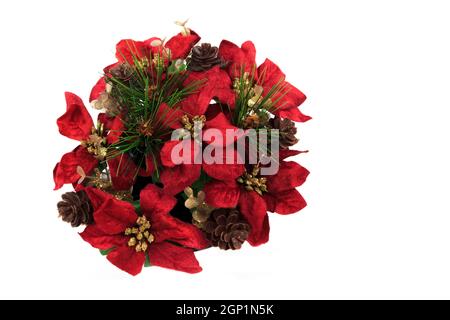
(189, 151)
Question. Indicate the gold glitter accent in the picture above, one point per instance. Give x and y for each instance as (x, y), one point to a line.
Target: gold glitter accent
(145, 129)
(141, 237)
(253, 181)
(96, 142)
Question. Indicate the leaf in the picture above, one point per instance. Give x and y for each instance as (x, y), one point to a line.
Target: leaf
(106, 252)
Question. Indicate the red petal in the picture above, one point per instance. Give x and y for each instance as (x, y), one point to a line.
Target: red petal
(222, 123)
(128, 50)
(289, 176)
(288, 202)
(169, 256)
(156, 204)
(98, 89)
(100, 240)
(215, 83)
(76, 123)
(123, 172)
(66, 170)
(97, 197)
(181, 45)
(113, 126)
(238, 58)
(229, 170)
(114, 216)
(292, 113)
(127, 259)
(178, 148)
(222, 194)
(177, 178)
(253, 208)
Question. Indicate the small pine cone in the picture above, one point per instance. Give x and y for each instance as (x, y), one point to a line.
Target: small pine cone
(287, 131)
(76, 208)
(203, 58)
(227, 229)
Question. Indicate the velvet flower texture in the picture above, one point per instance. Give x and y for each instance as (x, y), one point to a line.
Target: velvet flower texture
(129, 239)
(161, 174)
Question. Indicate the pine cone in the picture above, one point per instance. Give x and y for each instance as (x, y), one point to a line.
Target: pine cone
(287, 131)
(76, 208)
(203, 58)
(227, 229)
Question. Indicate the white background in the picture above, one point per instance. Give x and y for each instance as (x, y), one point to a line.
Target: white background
(377, 77)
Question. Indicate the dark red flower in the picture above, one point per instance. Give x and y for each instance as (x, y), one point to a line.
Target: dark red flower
(167, 241)
(75, 124)
(281, 196)
(177, 176)
(266, 75)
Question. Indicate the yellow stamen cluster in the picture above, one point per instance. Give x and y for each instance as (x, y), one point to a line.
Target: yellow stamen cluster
(96, 143)
(140, 236)
(197, 123)
(253, 91)
(253, 181)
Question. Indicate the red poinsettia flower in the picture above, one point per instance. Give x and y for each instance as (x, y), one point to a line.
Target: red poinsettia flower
(75, 124)
(266, 75)
(130, 238)
(280, 195)
(177, 176)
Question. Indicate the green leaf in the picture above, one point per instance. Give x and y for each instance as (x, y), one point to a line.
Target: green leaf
(137, 206)
(106, 252)
(147, 261)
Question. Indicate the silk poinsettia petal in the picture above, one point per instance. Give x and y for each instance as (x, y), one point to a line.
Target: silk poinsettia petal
(113, 127)
(293, 114)
(76, 123)
(289, 176)
(179, 177)
(156, 204)
(180, 45)
(128, 50)
(269, 74)
(177, 152)
(154, 45)
(169, 256)
(66, 170)
(100, 240)
(230, 169)
(254, 210)
(212, 84)
(123, 172)
(97, 197)
(288, 202)
(221, 194)
(239, 59)
(127, 259)
(98, 89)
(223, 124)
(114, 216)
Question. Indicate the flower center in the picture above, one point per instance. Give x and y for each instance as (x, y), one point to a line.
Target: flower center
(253, 181)
(96, 143)
(140, 236)
(197, 123)
(145, 129)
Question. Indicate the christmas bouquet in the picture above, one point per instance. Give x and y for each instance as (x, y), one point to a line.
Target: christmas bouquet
(189, 151)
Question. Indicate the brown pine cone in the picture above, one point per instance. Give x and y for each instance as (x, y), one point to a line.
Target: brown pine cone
(76, 208)
(287, 131)
(203, 58)
(227, 229)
